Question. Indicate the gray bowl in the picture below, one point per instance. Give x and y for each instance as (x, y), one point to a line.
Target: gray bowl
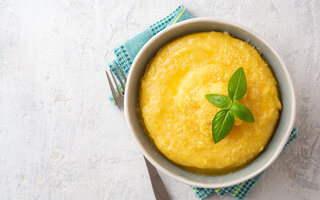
(282, 131)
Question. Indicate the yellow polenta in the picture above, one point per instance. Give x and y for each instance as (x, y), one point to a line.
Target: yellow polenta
(177, 115)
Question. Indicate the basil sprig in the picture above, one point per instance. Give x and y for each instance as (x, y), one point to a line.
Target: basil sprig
(223, 121)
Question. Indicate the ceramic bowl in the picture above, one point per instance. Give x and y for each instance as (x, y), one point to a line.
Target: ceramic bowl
(287, 94)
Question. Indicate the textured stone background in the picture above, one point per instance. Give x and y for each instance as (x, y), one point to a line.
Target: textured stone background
(61, 139)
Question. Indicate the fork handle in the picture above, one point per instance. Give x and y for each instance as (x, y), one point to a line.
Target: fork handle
(159, 190)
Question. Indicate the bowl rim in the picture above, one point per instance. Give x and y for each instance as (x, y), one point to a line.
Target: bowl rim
(236, 180)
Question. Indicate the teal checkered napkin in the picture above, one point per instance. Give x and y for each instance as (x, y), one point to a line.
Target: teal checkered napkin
(125, 55)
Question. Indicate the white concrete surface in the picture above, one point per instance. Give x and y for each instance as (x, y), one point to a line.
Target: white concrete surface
(61, 139)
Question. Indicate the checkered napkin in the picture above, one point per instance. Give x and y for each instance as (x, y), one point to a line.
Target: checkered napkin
(125, 55)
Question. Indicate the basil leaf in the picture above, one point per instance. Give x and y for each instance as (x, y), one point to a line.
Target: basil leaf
(221, 101)
(222, 124)
(242, 112)
(237, 86)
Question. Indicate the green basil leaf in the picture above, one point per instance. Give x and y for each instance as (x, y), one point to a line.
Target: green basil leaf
(242, 112)
(237, 86)
(221, 101)
(222, 124)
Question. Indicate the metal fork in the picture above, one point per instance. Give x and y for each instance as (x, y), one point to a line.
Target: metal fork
(117, 96)
(158, 187)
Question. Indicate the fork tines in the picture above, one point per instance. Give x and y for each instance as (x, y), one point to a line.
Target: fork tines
(119, 93)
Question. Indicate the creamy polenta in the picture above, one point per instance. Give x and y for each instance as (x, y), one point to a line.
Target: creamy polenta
(177, 115)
